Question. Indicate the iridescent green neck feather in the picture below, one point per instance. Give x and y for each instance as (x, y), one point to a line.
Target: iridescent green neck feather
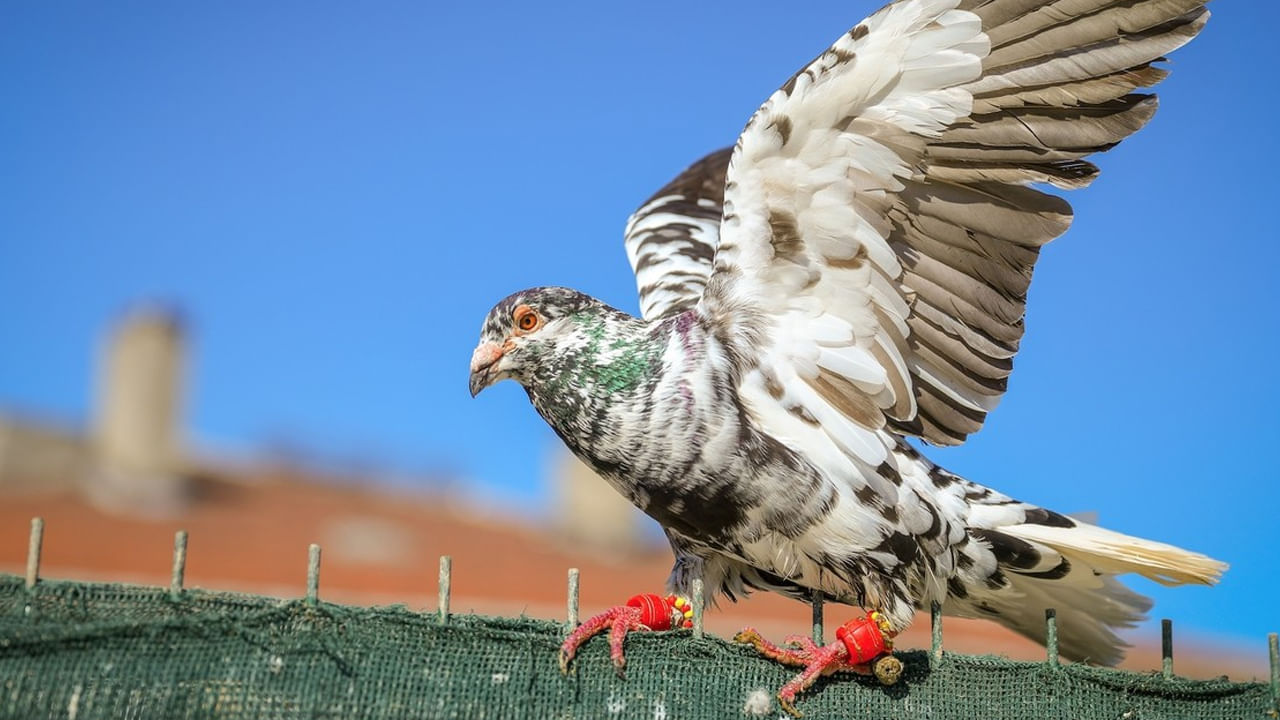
(608, 357)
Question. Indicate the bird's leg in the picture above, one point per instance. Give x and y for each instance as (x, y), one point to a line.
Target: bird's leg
(642, 612)
(861, 646)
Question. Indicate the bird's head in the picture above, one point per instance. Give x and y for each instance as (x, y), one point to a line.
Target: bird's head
(526, 331)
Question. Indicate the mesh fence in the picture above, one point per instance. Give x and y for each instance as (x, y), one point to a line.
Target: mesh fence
(80, 650)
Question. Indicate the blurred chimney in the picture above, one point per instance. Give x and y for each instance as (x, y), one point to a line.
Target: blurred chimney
(590, 513)
(136, 433)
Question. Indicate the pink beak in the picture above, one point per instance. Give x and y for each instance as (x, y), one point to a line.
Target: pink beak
(486, 355)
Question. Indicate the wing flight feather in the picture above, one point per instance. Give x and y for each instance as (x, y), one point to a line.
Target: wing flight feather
(879, 230)
(670, 239)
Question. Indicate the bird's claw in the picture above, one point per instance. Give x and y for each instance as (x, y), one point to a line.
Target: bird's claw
(796, 655)
(821, 660)
(800, 651)
(618, 620)
(642, 612)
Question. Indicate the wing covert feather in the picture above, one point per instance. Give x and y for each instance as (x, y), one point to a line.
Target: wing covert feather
(879, 230)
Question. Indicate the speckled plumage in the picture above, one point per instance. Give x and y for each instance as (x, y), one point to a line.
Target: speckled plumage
(864, 282)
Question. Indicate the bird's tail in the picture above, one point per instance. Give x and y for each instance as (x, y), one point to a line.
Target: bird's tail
(1070, 566)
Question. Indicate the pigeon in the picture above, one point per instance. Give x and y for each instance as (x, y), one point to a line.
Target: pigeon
(852, 274)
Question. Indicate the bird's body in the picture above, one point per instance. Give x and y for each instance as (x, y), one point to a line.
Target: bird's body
(852, 273)
(653, 407)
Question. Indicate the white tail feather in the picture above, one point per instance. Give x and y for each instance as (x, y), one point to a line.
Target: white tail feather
(1089, 609)
(1091, 603)
(1117, 553)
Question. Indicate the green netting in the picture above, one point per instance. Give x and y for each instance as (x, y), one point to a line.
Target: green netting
(81, 650)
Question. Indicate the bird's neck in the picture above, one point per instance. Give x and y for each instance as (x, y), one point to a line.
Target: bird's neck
(651, 408)
(614, 360)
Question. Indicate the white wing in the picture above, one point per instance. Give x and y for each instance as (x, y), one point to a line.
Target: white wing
(879, 233)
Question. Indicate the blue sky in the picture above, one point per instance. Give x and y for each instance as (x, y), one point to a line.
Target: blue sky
(336, 196)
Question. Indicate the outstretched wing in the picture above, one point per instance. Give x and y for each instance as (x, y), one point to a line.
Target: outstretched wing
(671, 239)
(879, 233)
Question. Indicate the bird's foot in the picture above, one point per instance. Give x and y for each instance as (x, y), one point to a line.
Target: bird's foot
(862, 646)
(642, 612)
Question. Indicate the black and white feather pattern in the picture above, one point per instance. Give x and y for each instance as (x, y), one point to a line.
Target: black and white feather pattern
(914, 138)
(852, 272)
(671, 239)
(873, 258)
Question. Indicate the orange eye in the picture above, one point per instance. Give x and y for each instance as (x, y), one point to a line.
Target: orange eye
(526, 319)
